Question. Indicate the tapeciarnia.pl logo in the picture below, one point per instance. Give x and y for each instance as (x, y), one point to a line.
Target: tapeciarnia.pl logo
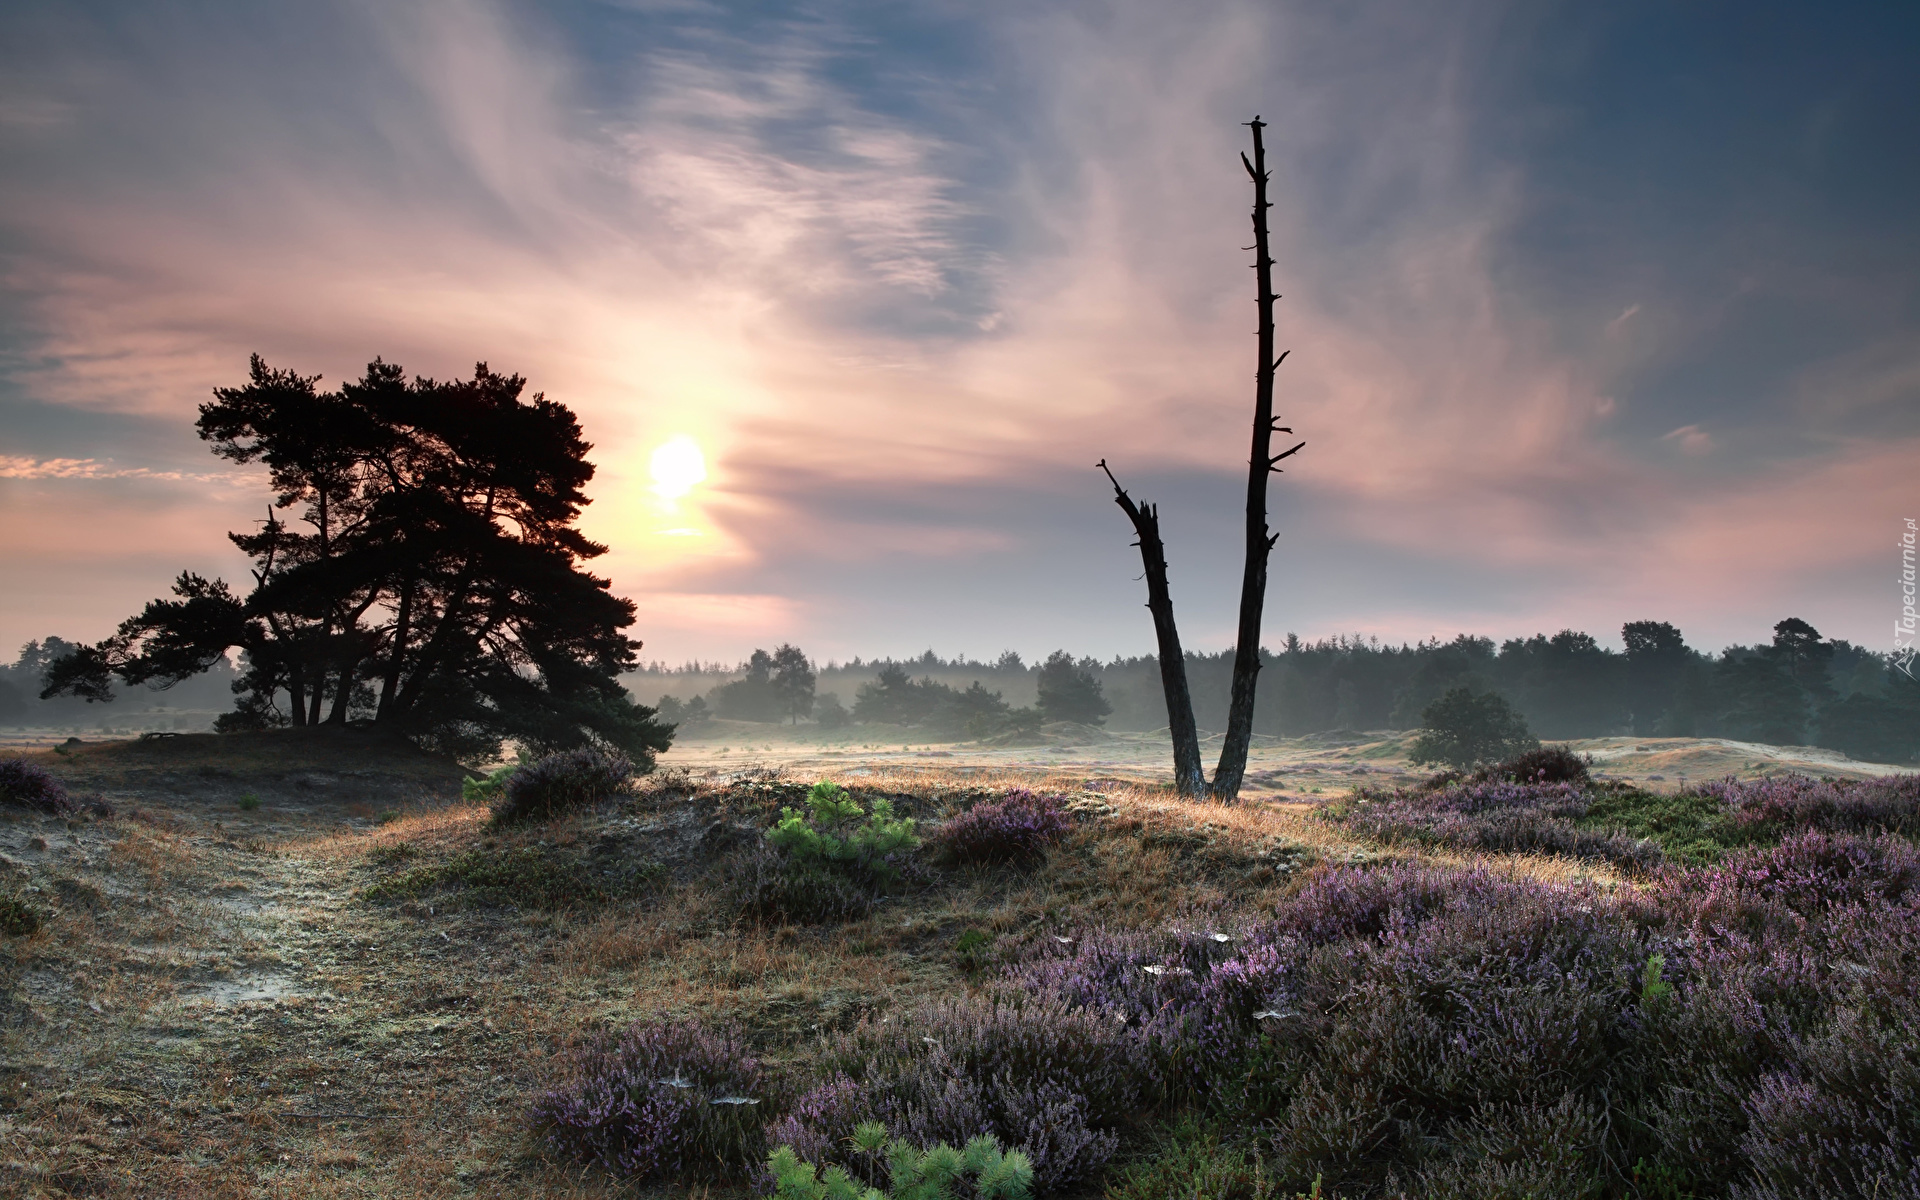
(1903, 629)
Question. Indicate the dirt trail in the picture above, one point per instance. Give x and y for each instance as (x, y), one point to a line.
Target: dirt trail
(209, 1010)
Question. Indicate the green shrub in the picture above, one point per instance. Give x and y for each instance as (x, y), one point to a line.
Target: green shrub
(249, 803)
(490, 788)
(836, 833)
(912, 1173)
(17, 917)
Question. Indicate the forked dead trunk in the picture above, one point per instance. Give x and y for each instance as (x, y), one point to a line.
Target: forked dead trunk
(1189, 776)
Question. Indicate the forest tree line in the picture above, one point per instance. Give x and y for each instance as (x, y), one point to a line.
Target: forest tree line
(1798, 688)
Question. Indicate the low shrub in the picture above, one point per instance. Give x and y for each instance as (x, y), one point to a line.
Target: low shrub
(1784, 802)
(837, 834)
(913, 1173)
(1547, 764)
(248, 803)
(24, 785)
(1019, 827)
(1495, 816)
(769, 886)
(1379, 1011)
(1033, 1072)
(394, 854)
(17, 917)
(673, 1101)
(490, 788)
(826, 863)
(560, 783)
(1202, 1158)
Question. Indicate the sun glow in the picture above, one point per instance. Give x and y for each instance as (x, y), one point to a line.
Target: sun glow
(676, 466)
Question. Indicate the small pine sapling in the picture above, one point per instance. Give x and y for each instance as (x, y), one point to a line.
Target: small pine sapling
(912, 1173)
(488, 789)
(832, 832)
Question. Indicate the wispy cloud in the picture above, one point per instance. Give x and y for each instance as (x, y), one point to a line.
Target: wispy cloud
(21, 467)
(904, 284)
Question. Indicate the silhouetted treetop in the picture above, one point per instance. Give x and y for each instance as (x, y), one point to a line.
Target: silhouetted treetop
(428, 575)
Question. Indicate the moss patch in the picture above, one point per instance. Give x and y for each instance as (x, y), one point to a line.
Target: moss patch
(1689, 827)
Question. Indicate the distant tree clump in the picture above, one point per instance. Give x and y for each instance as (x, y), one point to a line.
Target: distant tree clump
(792, 682)
(429, 579)
(751, 697)
(894, 697)
(1069, 691)
(1465, 728)
(830, 713)
(688, 715)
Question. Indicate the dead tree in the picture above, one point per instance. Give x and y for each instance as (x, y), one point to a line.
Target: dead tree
(1259, 547)
(1188, 776)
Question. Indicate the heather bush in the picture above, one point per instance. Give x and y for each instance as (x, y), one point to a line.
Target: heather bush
(1547, 764)
(675, 1101)
(1019, 827)
(1033, 1072)
(1845, 1119)
(1494, 816)
(913, 1173)
(1382, 1012)
(1522, 1151)
(1785, 802)
(561, 782)
(24, 785)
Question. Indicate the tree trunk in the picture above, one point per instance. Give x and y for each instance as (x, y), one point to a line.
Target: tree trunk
(1188, 775)
(402, 630)
(297, 696)
(1262, 463)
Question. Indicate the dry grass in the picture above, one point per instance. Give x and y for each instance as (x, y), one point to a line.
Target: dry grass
(212, 1009)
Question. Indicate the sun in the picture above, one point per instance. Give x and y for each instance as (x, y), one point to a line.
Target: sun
(676, 466)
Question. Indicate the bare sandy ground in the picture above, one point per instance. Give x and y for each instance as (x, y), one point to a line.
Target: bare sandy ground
(1279, 769)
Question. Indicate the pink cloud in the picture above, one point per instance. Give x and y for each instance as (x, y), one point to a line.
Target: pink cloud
(667, 265)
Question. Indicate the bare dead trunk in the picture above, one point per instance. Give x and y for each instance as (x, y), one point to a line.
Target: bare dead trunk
(1262, 463)
(1188, 775)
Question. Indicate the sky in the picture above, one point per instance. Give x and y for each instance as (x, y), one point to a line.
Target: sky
(1596, 313)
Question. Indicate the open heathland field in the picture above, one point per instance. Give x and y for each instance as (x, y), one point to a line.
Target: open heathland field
(287, 965)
